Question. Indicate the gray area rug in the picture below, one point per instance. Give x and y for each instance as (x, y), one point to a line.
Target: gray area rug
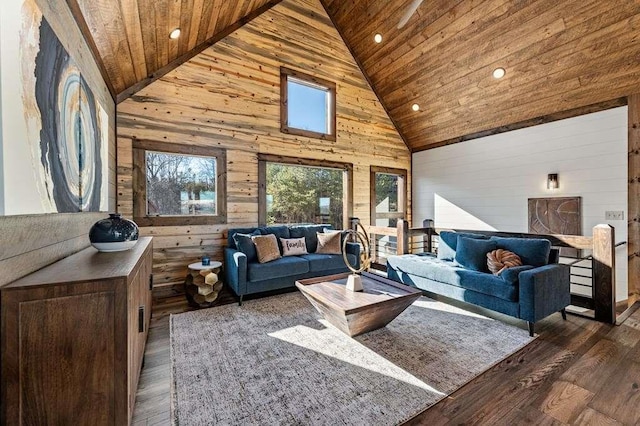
(276, 361)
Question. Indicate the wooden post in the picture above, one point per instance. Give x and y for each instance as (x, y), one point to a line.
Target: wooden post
(353, 225)
(374, 248)
(403, 236)
(633, 227)
(604, 273)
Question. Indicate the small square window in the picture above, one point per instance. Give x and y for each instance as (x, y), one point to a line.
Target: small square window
(308, 105)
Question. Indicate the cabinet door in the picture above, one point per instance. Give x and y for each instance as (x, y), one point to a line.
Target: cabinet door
(139, 317)
(60, 369)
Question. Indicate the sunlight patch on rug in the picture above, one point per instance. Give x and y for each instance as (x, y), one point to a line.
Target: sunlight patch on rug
(358, 354)
(277, 361)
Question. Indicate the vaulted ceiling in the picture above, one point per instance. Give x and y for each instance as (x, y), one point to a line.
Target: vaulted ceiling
(558, 55)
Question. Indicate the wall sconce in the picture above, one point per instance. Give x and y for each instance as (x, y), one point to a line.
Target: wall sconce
(552, 181)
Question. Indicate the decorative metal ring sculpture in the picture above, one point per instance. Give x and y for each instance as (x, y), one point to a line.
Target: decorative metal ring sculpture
(365, 257)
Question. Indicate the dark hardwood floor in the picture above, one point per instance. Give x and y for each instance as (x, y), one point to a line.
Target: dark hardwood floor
(577, 372)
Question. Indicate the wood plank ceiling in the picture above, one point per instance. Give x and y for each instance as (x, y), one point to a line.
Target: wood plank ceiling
(558, 55)
(132, 36)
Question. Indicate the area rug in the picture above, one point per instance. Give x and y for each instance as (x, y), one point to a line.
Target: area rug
(277, 361)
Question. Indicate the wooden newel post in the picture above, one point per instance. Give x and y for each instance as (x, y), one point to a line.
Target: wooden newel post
(428, 223)
(604, 273)
(403, 236)
(353, 225)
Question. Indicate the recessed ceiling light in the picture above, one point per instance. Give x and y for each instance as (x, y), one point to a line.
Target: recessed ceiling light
(377, 38)
(174, 34)
(499, 73)
(415, 107)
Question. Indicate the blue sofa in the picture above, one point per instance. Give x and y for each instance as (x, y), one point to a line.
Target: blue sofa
(245, 275)
(530, 292)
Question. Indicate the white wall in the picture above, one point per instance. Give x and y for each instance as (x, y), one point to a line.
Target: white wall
(485, 183)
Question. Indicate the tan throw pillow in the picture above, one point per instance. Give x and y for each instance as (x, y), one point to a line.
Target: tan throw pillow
(267, 247)
(329, 243)
(293, 246)
(500, 259)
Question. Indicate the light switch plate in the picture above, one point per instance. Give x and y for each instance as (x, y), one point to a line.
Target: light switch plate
(614, 215)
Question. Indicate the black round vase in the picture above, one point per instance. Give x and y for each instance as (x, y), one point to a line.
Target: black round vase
(113, 233)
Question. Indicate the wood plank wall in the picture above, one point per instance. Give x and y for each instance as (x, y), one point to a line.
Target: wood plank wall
(634, 197)
(228, 96)
(31, 242)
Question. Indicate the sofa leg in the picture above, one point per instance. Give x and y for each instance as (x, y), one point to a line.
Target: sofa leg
(531, 328)
(240, 301)
(563, 312)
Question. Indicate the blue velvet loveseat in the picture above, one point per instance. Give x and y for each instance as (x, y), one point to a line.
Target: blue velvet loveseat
(245, 275)
(530, 292)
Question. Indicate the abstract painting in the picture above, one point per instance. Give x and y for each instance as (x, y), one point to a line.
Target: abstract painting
(70, 138)
(56, 133)
(556, 215)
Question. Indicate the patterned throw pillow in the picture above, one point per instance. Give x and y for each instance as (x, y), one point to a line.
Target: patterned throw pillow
(293, 246)
(329, 243)
(267, 247)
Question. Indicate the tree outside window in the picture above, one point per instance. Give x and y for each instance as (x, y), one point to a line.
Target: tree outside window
(177, 184)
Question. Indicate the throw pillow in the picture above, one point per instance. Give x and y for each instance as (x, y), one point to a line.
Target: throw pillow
(448, 241)
(329, 243)
(532, 251)
(500, 259)
(293, 246)
(245, 244)
(472, 253)
(266, 247)
(343, 233)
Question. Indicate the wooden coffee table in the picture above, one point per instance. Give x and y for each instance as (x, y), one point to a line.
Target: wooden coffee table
(355, 313)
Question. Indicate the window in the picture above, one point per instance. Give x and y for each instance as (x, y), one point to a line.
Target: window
(308, 105)
(294, 190)
(388, 201)
(176, 184)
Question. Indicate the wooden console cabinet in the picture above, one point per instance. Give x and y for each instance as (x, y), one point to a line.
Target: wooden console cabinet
(73, 337)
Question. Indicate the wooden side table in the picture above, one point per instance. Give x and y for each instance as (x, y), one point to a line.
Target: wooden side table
(202, 285)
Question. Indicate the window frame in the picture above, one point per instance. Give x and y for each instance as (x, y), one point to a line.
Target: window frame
(347, 183)
(402, 195)
(285, 73)
(140, 216)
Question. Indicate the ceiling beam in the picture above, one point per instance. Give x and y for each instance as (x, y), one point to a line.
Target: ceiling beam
(131, 90)
(601, 106)
(93, 48)
(366, 77)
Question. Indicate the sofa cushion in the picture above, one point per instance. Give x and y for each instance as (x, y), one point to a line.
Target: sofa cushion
(309, 234)
(510, 275)
(244, 243)
(532, 251)
(266, 247)
(325, 262)
(329, 243)
(293, 246)
(283, 267)
(278, 231)
(447, 272)
(472, 253)
(449, 240)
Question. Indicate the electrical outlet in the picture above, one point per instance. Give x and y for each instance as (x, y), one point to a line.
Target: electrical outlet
(614, 215)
